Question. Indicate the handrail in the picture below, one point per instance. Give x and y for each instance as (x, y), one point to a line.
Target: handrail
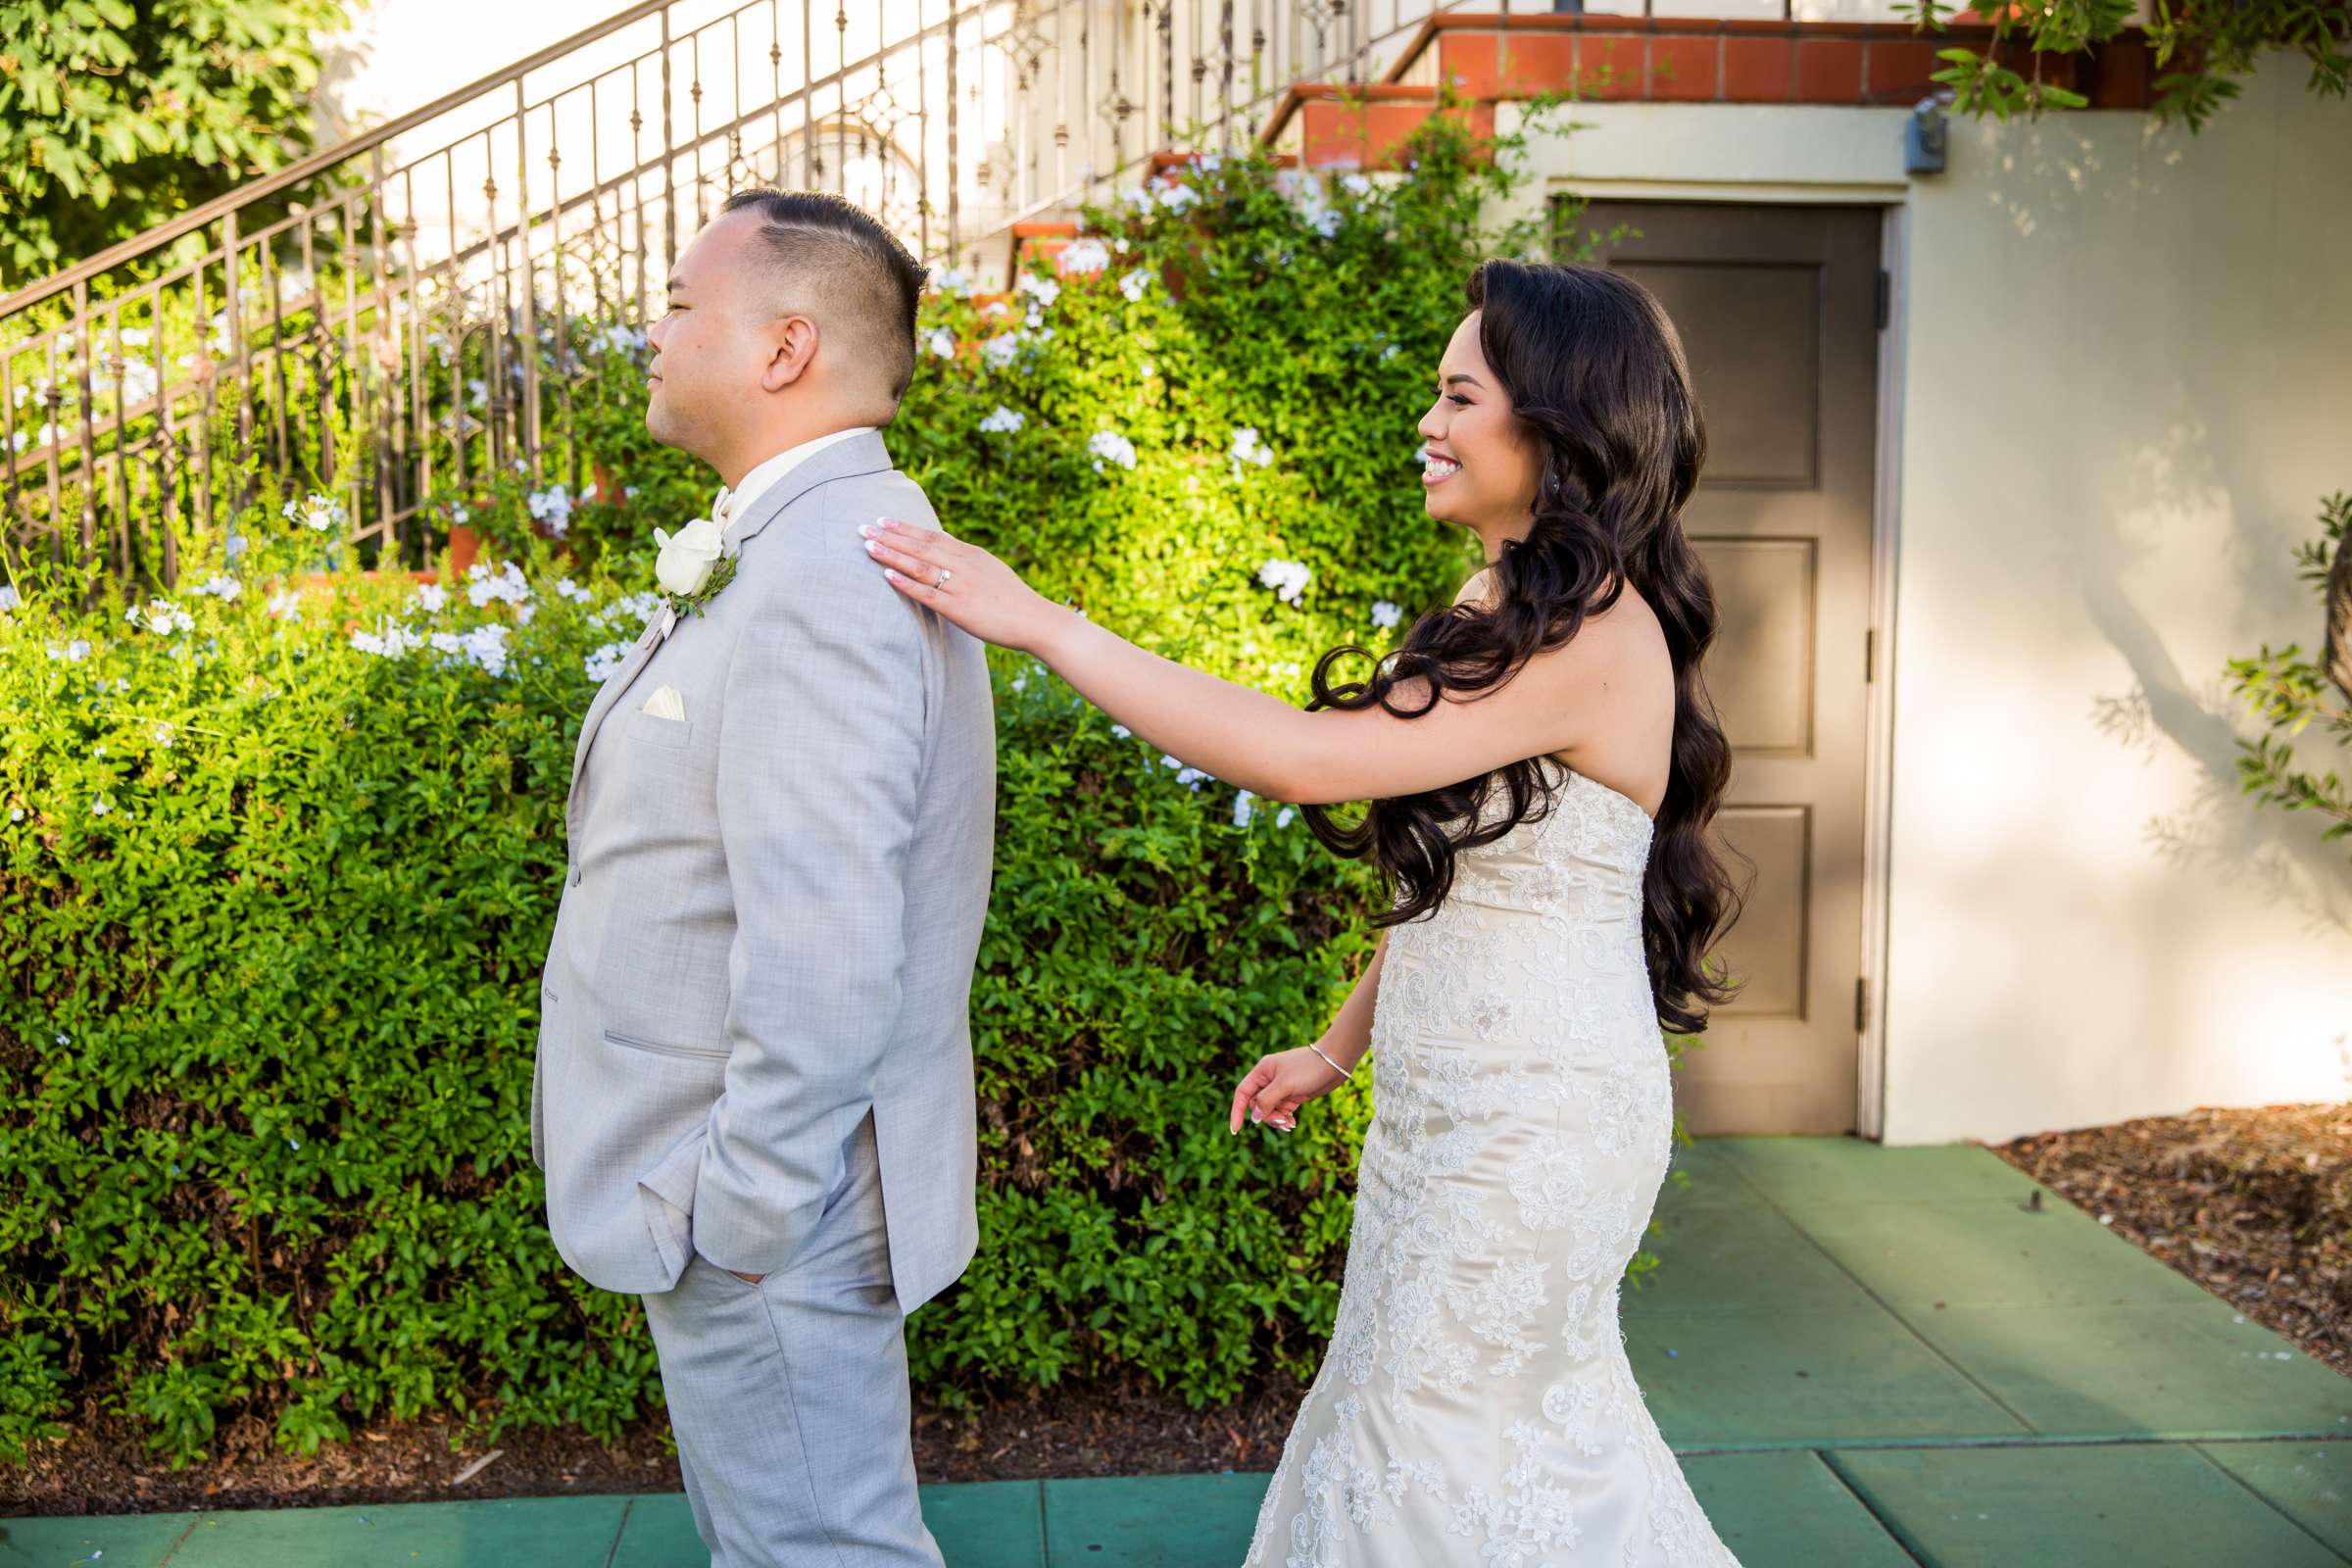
(320, 162)
(443, 354)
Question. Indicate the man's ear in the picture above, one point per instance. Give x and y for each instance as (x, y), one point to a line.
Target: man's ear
(792, 350)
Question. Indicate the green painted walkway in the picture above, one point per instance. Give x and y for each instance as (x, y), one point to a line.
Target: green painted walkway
(1866, 1356)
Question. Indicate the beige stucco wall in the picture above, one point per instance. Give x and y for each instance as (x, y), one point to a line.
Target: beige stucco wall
(2124, 381)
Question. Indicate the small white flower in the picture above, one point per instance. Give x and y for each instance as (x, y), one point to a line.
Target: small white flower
(101, 805)
(553, 506)
(10, 598)
(220, 586)
(1135, 285)
(1282, 818)
(1021, 683)
(1390, 353)
(159, 615)
(1248, 448)
(566, 588)
(285, 604)
(1355, 184)
(1108, 446)
(640, 606)
(998, 352)
(1176, 198)
(390, 639)
(1003, 421)
(1044, 290)
(1165, 760)
(483, 585)
(485, 645)
(431, 598)
(16, 813)
(318, 512)
(1287, 578)
(73, 653)
(1121, 731)
(1242, 808)
(606, 661)
(459, 514)
(941, 342)
(1083, 256)
(1386, 614)
(953, 281)
(162, 736)
(1190, 777)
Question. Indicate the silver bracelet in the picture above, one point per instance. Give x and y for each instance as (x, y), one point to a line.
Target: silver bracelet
(1328, 1063)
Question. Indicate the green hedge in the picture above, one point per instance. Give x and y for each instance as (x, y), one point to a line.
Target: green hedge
(274, 884)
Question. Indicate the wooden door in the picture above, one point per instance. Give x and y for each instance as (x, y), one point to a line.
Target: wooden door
(1779, 311)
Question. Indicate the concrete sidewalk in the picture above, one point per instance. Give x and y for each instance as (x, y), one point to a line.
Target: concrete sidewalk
(1866, 1356)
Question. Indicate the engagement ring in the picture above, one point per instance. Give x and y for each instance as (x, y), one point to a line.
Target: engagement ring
(943, 575)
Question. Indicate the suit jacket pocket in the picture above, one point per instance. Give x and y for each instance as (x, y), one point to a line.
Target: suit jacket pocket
(665, 1048)
(670, 732)
(667, 1196)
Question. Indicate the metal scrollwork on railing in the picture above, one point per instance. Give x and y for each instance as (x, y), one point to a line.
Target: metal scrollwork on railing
(353, 323)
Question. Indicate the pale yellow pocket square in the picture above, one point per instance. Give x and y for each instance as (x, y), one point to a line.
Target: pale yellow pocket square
(666, 704)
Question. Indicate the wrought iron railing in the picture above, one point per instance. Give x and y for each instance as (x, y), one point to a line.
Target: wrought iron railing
(388, 324)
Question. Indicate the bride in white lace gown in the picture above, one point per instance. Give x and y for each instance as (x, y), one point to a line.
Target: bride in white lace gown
(1476, 1406)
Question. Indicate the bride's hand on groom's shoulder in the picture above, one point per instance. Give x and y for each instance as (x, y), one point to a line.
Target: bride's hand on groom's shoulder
(1272, 1091)
(978, 592)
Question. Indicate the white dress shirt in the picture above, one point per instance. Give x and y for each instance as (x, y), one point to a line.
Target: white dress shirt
(733, 504)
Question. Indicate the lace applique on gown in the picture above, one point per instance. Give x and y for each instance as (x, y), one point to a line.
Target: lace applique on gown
(1476, 1405)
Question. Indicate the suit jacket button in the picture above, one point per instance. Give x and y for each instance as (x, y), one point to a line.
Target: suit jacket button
(575, 875)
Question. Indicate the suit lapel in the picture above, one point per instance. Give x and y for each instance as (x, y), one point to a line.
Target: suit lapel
(859, 455)
(610, 693)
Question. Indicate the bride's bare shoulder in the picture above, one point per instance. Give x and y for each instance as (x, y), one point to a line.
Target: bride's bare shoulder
(1478, 587)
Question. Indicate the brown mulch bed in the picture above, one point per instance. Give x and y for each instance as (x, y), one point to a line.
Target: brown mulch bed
(2255, 1206)
(1098, 1431)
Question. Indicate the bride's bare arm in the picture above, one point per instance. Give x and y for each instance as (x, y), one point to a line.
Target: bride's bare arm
(1245, 737)
(1272, 1091)
(1349, 1037)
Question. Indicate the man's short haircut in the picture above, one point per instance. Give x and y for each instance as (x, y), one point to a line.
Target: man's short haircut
(848, 273)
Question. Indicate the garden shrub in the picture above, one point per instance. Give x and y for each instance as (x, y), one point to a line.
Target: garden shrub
(282, 849)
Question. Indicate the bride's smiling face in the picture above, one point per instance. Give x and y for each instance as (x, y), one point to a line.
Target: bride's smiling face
(1483, 468)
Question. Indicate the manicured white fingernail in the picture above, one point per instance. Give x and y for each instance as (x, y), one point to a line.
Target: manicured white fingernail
(866, 528)
(873, 547)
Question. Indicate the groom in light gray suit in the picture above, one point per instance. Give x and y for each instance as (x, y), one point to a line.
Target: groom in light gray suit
(753, 1091)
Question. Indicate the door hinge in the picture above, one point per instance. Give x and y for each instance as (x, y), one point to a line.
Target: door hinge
(1870, 654)
(1885, 296)
(1861, 1005)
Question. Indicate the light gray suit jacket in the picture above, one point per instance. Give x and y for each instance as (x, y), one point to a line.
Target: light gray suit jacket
(771, 910)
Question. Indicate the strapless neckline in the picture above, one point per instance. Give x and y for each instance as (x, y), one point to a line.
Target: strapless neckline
(1620, 796)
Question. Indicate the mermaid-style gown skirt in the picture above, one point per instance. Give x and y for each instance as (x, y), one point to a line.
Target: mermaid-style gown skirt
(1476, 1405)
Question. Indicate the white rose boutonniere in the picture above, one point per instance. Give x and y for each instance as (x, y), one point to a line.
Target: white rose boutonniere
(692, 566)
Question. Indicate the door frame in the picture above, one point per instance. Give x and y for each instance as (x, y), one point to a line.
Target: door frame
(1878, 747)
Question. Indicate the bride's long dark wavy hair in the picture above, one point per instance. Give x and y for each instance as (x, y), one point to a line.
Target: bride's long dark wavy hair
(1595, 375)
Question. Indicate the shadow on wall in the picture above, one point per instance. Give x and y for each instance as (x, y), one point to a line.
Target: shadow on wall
(2175, 498)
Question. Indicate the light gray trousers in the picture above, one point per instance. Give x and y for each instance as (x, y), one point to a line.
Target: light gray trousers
(788, 1398)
